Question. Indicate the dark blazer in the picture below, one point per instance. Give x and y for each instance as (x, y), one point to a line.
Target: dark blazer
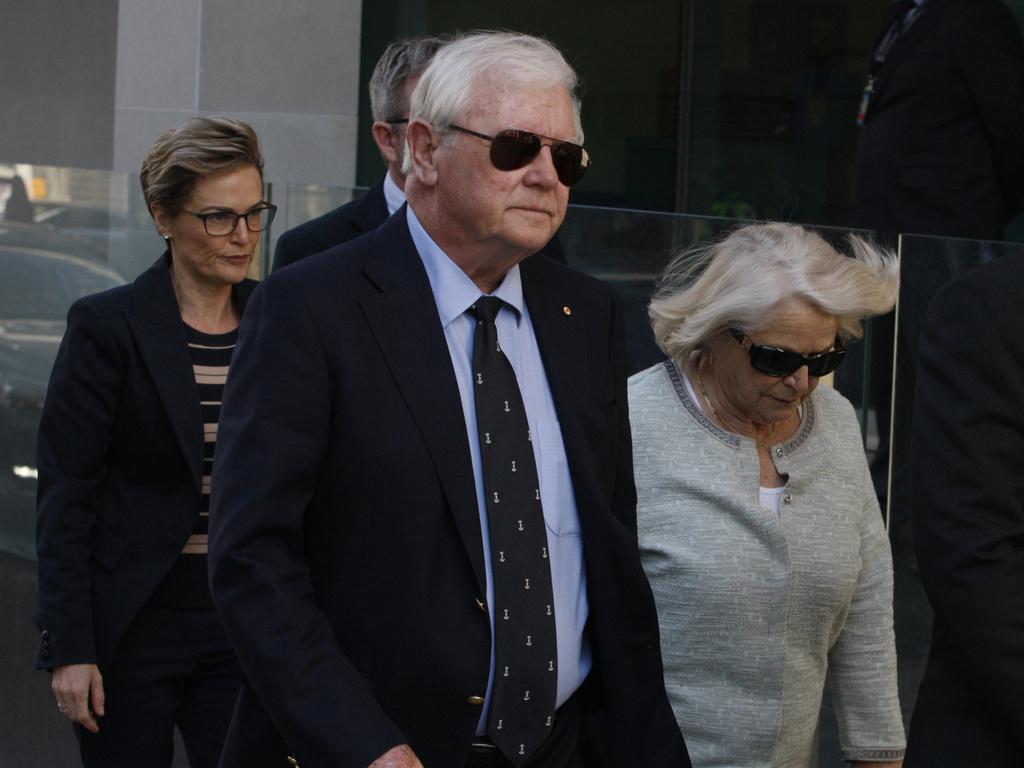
(942, 148)
(348, 222)
(120, 465)
(967, 474)
(346, 554)
(344, 223)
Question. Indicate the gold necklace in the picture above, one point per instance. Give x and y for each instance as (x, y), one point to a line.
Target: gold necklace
(766, 440)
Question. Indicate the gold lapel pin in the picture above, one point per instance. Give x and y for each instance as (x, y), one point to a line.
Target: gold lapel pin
(566, 311)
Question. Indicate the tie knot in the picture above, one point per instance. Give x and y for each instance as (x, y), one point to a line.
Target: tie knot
(486, 308)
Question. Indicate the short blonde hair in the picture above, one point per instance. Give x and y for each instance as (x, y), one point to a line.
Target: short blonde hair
(739, 281)
(200, 147)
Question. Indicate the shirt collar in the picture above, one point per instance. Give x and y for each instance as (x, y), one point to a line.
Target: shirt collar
(453, 290)
(393, 196)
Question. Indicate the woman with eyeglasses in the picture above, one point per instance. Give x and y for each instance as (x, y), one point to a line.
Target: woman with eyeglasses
(126, 448)
(758, 524)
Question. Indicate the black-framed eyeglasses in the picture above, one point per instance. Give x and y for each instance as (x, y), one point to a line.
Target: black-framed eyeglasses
(783, 362)
(219, 223)
(513, 149)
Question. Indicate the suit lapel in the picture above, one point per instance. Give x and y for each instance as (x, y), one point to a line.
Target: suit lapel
(403, 318)
(906, 42)
(160, 335)
(560, 325)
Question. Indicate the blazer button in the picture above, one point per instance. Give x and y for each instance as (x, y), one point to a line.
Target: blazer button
(481, 605)
(787, 499)
(477, 701)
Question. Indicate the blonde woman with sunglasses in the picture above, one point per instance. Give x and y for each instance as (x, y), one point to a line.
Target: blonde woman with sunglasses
(758, 525)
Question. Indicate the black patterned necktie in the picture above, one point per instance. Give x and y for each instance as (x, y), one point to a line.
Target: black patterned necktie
(526, 672)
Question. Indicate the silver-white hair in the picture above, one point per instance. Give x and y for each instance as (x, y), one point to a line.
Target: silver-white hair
(487, 65)
(740, 280)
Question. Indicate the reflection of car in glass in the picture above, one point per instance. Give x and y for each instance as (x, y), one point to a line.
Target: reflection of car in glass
(36, 289)
(46, 238)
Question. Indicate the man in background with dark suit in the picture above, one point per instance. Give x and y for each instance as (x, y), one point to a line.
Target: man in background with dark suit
(423, 540)
(967, 478)
(391, 84)
(941, 153)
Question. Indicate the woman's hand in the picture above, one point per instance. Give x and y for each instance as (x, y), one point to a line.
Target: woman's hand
(79, 692)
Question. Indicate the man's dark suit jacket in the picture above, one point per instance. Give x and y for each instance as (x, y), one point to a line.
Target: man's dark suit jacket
(348, 222)
(344, 223)
(942, 148)
(120, 465)
(346, 553)
(967, 475)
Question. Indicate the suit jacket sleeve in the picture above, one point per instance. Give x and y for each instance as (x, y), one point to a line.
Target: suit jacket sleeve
(991, 56)
(74, 438)
(862, 661)
(271, 441)
(967, 475)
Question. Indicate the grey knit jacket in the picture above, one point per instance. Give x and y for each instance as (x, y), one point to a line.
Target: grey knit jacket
(756, 609)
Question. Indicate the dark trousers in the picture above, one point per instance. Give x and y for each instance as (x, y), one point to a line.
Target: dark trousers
(175, 667)
(563, 748)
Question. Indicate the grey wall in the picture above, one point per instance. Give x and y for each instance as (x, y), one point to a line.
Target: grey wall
(290, 70)
(57, 65)
(92, 84)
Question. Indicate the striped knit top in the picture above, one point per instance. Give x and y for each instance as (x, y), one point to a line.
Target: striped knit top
(185, 584)
(211, 356)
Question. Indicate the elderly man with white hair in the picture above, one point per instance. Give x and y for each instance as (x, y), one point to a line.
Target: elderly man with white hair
(423, 541)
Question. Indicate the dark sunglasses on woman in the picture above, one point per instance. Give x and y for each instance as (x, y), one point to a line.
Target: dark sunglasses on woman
(783, 362)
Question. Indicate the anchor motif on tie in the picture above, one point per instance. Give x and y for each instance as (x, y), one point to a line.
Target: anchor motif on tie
(529, 640)
(520, 522)
(527, 586)
(526, 696)
(529, 435)
(548, 721)
(544, 552)
(487, 438)
(514, 466)
(536, 494)
(496, 499)
(549, 610)
(507, 409)
(506, 673)
(505, 617)
(501, 723)
(497, 345)
(479, 378)
(501, 556)
(522, 749)
(551, 666)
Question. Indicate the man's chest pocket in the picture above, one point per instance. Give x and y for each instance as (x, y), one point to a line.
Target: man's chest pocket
(555, 483)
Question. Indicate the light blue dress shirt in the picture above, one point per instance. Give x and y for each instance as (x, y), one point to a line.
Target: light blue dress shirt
(394, 196)
(454, 293)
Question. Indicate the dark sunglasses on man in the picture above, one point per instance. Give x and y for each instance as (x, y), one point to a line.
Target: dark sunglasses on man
(783, 362)
(513, 149)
